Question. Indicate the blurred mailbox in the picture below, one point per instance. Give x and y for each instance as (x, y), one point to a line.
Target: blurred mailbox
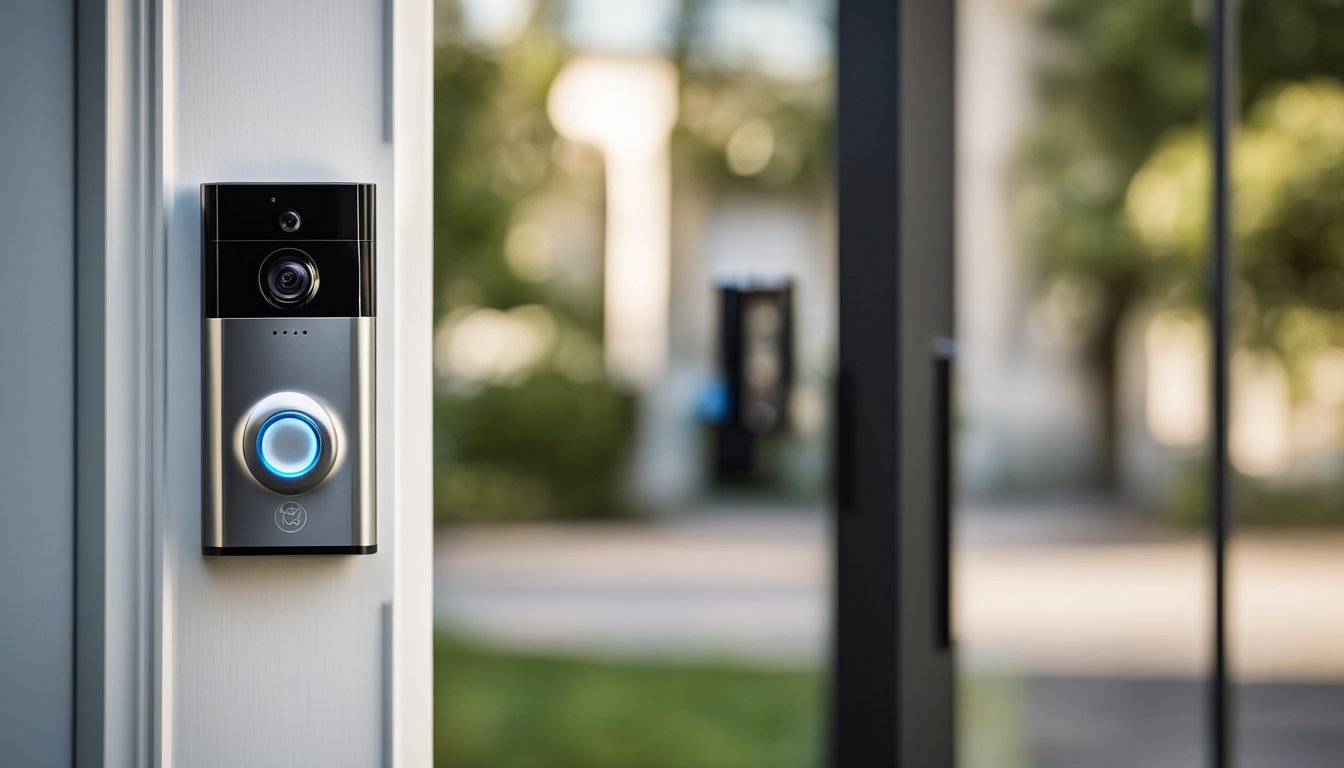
(756, 356)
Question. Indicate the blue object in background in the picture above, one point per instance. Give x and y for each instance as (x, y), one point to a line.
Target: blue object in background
(712, 404)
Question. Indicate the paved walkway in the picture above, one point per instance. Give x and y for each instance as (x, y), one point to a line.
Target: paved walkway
(756, 584)
(702, 585)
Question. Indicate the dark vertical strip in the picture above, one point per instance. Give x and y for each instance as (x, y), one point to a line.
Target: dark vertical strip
(925, 103)
(865, 685)
(842, 447)
(1222, 114)
(91, 33)
(75, 575)
(944, 354)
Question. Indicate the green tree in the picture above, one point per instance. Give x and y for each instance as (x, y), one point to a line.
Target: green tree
(543, 442)
(1288, 217)
(1115, 80)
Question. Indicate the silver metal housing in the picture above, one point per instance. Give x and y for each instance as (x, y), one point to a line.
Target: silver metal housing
(257, 366)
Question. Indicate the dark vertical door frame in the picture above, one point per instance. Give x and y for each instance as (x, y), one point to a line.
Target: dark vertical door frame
(1223, 110)
(892, 685)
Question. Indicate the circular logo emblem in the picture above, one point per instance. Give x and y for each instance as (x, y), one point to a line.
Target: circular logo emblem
(290, 517)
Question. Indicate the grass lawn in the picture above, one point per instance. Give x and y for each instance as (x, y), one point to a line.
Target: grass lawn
(506, 710)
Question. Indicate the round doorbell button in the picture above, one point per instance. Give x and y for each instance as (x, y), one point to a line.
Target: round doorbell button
(289, 443)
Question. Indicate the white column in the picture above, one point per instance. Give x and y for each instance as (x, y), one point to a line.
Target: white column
(626, 107)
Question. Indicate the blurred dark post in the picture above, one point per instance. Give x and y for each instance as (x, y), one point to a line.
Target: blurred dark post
(1223, 105)
(756, 357)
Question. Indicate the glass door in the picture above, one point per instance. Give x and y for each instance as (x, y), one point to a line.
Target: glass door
(1140, 566)
(633, 353)
(1286, 630)
(1082, 560)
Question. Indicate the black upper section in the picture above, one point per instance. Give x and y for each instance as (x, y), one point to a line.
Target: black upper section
(252, 211)
(240, 227)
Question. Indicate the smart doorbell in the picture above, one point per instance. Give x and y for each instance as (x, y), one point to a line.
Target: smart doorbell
(288, 340)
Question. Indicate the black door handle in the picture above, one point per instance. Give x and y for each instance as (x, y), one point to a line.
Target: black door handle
(944, 354)
(842, 449)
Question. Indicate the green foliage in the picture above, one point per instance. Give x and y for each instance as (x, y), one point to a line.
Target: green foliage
(992, 716)
(544, 447)
(494, 710)
(1115, 185)
(725, 110)
(492, 148)
(1289, 40)
(543, 441)
(1255, 504)
(1115, 80)
(1114, 77)
(1288, 216)
(720, 111)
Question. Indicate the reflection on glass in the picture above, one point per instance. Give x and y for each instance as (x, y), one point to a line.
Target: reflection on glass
(1083, 584)
(634, 338)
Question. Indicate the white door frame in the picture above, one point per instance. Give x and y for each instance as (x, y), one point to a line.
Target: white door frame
(135, 563)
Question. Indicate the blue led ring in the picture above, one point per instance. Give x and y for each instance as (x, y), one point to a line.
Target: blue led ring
(303, 430)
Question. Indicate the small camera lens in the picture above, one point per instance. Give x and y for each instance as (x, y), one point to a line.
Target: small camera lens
(288, 278)
(290, 221)
(289, 281)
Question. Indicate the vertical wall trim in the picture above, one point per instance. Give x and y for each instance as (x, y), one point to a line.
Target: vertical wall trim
(76, 33)
(90, 491)
(119, 255)
(412, 292)
(90, 261)
(159, 75)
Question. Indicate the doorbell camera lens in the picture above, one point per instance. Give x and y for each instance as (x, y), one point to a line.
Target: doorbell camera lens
(289, 281)
(288, 278)
(290, 221)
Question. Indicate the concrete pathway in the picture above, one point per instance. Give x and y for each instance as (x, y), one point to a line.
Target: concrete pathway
(737, 584)
(755, 584)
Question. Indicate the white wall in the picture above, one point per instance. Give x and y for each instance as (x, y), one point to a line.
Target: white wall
(283, 661)
(37, 355)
